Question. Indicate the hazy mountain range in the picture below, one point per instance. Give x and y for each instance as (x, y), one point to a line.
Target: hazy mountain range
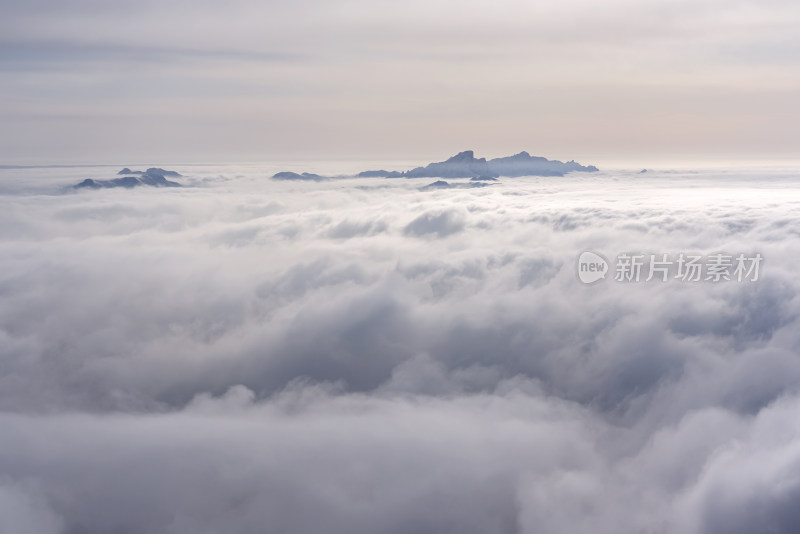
(466, 165)
(152, 176)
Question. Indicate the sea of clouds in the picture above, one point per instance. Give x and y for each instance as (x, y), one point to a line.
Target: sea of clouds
(244, 355)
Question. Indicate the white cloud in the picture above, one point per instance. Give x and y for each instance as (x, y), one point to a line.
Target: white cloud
(246, 355)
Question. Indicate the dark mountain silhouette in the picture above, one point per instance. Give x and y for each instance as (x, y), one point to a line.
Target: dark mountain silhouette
(152, 177)
(306, 176)
(466, 165)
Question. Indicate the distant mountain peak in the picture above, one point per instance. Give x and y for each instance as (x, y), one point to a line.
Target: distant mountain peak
(306, 176)
(152, 177)
(521, 155)
(466, 155)
(466, 165)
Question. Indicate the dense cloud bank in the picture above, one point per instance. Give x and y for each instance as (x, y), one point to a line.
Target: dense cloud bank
(249, 355)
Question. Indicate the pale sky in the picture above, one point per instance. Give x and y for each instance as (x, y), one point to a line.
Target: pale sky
(94, 81)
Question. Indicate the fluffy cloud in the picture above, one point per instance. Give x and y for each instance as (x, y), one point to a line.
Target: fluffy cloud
(357, 355)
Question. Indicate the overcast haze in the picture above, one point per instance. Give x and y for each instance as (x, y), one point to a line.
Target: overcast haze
(95, 81)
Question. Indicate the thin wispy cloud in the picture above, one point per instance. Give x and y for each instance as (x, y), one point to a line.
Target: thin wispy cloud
(316, 78)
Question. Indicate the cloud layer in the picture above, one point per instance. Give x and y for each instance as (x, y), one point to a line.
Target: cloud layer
(249, 355)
